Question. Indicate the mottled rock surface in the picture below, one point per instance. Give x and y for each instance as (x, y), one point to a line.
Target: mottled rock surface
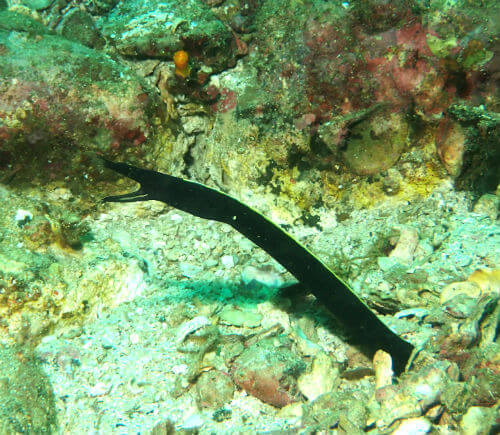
(158, 29)
(60, 98)
(26, 397)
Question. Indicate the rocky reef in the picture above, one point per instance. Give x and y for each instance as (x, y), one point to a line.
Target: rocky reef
(368, 129)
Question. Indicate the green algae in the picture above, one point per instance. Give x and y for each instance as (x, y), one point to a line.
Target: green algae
(441, 47)
(12, 21)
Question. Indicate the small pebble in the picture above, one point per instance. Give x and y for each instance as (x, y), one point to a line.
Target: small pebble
(193, 422)
(211, 262)
(227, 261)
(221, 415)
(406, 246)
(107, 342)
(268, 277)
(413, 426)
(22, 217)
(321, 379)
(99, 389)
(189, 270)
(382, 364)
(232, 316)
(191, 326)
(180, 369)
(389, 263)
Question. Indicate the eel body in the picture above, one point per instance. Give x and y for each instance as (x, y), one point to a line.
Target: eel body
(365, 328)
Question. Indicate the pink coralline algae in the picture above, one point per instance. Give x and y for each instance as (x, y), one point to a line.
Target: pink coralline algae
(348, 72)
(227, 100)
(411, 75)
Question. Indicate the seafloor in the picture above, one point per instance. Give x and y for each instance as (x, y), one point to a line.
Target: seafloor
(368, 130)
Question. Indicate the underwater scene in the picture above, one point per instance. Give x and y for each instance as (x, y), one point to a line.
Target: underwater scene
(249, 217)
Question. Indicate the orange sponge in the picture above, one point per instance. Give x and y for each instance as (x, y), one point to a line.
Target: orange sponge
(181, 62)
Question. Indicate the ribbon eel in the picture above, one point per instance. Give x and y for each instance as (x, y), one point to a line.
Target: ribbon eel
(366, 330)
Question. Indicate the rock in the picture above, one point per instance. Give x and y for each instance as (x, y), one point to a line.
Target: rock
(466, 288)
(99, 389)
(37, 4)
(382, 365)
(228, 261)
(187, 269)
(273, 315)
(191, 327)
(391, 264)
(375, 144)
(209, 263)
(328, 409)
(450, 145)
(391, 184)
(60, 109)
(322, 377)
(193, 422)
(104, 5)
(235, 317)
(222, 415)
(194, 124)
(415, 394)
(487, 279)
(294, 410)
(108, 342)
(488, 205)
(13, 21)
(460, 306)
(413, 426)
(428, 385)
(214, 389)
(23, 217)
(304, 344)
(159, 28)
(26, 399)
(268, 370)
(406, 245)
(333, 133)
(231, 346)
(78, 25)
(165, 427)
(481, 369)
(395, 409)
(266, 276)
(479, 420)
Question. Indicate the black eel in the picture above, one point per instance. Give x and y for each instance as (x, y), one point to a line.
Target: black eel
(365, 328)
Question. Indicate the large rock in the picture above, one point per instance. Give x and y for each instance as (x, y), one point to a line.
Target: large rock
(58, 98)
(157, 29)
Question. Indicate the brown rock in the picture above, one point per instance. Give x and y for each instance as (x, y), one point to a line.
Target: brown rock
(450, 145)
(375, 144)
(268, 370)
(214, 389)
